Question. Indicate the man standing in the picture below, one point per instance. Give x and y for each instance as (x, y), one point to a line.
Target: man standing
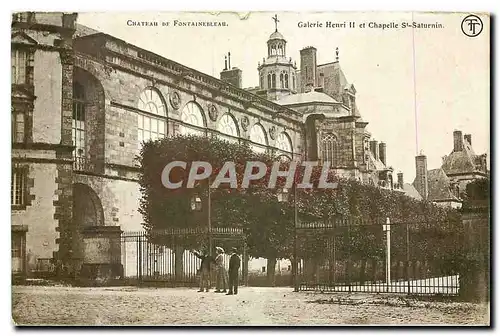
(234, 266)
(220, 270)
(206, 263)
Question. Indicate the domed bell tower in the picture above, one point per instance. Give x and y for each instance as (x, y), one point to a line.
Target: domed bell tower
(277, 74)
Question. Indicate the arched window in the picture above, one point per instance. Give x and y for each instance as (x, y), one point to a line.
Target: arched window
(293, 77)
(193, 120)
(329, 149)
(150, 101)
(282, 81)
(227, 125)
(280, 49)
(269, 81)
(78, 125)
(151, 124)
(286, 81)
(261, 84)
(259, 138)
(273, 80)
(284, 143)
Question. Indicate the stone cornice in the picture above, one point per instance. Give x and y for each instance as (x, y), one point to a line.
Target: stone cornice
(159, 63)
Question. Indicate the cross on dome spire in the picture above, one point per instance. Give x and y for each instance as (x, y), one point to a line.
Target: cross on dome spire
(275, 18)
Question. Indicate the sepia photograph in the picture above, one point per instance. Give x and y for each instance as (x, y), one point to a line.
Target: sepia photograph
(250, 169)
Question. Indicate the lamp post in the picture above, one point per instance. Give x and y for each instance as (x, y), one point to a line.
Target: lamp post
(196, 205)
(209, 218)
(387, 229)
(283, 197)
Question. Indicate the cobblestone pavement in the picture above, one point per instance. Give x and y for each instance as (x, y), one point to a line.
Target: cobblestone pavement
(252, 306)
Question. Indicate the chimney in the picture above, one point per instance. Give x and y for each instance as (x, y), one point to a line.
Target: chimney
(230, 75)
(308, 69)
(468, 138)
(458, 143)
(421, 183)
(374, 148)
(401, 181)
(382, 152)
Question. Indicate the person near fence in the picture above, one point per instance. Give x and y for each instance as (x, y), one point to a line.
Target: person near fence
(221, 274)
(206, 262)
(234, 266)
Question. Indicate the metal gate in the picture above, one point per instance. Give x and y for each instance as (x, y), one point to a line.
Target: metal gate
(167, 258)
(352, 256)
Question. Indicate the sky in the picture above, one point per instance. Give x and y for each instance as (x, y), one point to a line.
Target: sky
(414, 86)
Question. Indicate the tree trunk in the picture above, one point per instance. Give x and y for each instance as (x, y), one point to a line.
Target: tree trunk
(362, 272)
(179, 262)
(271, 272)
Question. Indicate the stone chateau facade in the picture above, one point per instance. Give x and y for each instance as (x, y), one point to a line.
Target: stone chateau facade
(84, 101)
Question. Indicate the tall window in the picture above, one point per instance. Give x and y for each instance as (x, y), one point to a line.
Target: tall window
(78, 125)
(273, 80)
(286, 81)
(269, 81)
(22, 66)
(284, 143)
(193, 120)
(293, 77)
(259, 139)
(282, 81)
(329, 149)
(227, 126)
(22, 17)
(151, 124)
(17, 187)
(18, 126)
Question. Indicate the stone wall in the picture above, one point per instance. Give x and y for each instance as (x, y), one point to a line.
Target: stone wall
(39, 215)
(119, 198)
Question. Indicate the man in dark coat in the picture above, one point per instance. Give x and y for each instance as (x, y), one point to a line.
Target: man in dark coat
(206, 264)
(234, 266)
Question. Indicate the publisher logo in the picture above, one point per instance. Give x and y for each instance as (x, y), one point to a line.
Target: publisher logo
(472, 25)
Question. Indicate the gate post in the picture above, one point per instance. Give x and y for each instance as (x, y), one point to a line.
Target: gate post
(139, 257)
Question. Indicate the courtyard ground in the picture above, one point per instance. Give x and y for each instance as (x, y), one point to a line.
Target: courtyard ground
(60, 305)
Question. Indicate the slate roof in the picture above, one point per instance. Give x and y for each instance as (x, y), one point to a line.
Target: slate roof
(378, 164)
(410, 190)
(82, 30)
(439, 185)
(305, 98)
(461, 162)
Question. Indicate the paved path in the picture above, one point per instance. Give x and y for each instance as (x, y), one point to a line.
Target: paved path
(252, 306)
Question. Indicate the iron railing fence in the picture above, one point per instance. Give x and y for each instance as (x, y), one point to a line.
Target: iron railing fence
(351, 256)
(166, 257)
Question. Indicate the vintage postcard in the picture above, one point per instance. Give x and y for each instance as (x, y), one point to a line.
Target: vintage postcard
(260, 168)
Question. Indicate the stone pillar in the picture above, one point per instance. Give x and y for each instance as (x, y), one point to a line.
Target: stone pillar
(101, 255)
